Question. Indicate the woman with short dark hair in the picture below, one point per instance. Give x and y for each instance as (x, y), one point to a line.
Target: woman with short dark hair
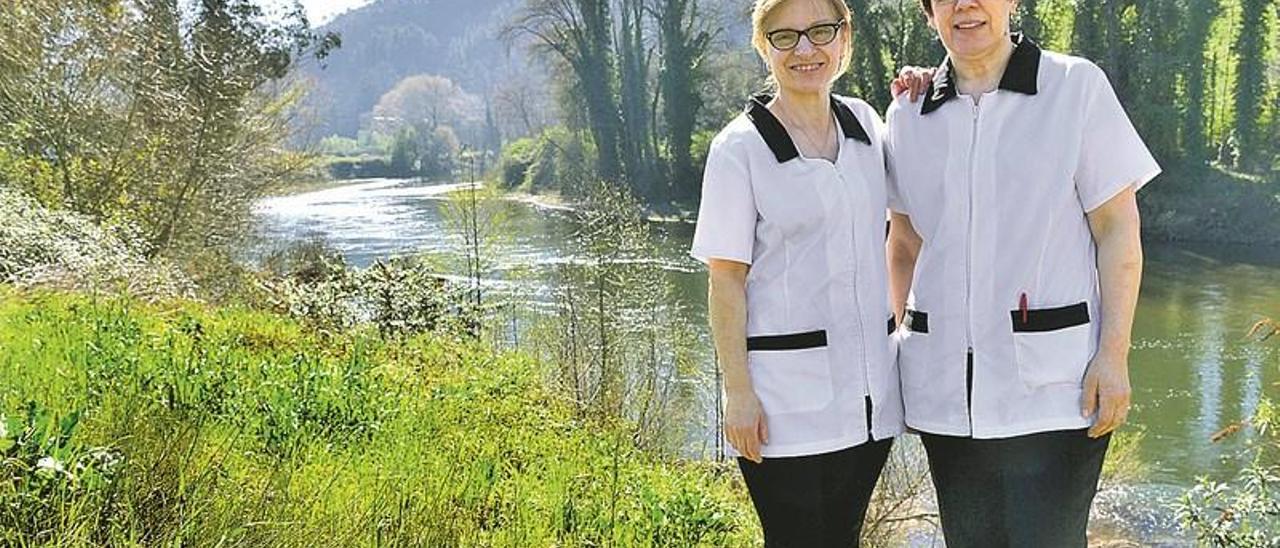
(1014, 249)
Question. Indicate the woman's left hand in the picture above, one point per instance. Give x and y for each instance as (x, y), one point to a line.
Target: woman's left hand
(912, 80)
(1106, 392)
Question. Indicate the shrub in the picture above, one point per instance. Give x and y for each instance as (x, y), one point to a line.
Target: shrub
(42, 246)
(517, 156)
(311, 281)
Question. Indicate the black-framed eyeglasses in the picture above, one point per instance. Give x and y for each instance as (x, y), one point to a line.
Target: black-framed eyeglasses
(819, 35)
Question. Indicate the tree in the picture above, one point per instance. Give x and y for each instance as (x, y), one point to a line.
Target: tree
(426, 100)
(141, 113)
(232, 55)
(578, 33)
(1251, 85)
(53, 98)
(1154, 73)
(910, 40)
(635, 57)
(1199, 17)
(173, 128)
(868, 73)
(522, 104)
(1030, 21)
(683, 38)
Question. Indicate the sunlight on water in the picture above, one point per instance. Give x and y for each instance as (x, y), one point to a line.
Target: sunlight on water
(1192, 371)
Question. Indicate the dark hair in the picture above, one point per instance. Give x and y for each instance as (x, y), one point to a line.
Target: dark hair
(927, 6)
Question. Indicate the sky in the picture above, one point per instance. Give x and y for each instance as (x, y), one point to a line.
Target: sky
(320, 12)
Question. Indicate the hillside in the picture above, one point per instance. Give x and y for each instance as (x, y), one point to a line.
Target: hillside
(389, 40)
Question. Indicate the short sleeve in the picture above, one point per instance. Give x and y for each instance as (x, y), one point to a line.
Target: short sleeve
(1112, 155)
(890, 173)
(726, 226)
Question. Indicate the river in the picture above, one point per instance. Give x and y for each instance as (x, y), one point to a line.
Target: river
(1193, 371)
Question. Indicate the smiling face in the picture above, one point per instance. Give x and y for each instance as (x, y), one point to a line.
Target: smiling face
(971, 29)
(805, 68)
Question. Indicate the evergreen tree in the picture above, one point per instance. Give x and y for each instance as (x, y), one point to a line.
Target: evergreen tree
(1251, 85)
(1199, 15)
(867, 73)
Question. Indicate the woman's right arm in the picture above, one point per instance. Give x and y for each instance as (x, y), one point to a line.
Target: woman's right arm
(744, 420)
(901, 249)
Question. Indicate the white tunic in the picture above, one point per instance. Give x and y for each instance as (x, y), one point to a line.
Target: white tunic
(998, 190)
(818, 316)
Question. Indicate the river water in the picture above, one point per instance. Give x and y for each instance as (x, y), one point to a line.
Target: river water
(1192, 368)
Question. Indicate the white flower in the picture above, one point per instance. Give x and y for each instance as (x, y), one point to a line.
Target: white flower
(50, 464)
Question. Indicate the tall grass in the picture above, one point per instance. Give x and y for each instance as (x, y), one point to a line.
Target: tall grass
(173, 423)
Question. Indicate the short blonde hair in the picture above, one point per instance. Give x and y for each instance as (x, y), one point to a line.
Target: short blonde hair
(763, 9)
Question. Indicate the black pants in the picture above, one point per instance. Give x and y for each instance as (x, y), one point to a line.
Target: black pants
(1032, 490)
(817, 500)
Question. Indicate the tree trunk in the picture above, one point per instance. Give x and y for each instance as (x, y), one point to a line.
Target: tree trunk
(683, 47)
(1200, 15)
(1251, 85)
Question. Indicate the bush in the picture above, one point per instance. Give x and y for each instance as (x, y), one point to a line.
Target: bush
(363, 167)
(310, 281)
(41, 246)
(517, 156)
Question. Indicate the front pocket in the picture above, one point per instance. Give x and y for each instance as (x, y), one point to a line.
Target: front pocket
(790, 373)
(914, 351)
(1052, 345)
(916, 321)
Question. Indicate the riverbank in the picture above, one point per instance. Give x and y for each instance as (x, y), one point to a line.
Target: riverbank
(181, 423)
(178, 423)
(1207, 204)
(1186, 203)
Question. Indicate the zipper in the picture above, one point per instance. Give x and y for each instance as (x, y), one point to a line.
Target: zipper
(968, 265)
(968, 250)
(968, 381)
(857, 302)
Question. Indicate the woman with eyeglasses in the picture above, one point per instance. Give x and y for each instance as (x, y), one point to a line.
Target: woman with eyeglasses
(792, 228)
(1014, 246)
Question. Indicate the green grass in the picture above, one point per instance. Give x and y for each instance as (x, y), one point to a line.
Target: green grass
(183, 424)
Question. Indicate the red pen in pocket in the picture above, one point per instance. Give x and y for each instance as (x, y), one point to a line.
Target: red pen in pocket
(1022, 306)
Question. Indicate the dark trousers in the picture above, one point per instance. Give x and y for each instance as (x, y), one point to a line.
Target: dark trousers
(816, 500)
(1032, 490)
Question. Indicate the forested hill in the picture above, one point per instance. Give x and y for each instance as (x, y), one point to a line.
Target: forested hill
(389, 40)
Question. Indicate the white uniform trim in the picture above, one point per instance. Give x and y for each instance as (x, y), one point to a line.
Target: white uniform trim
(818, 316)
(998, 190)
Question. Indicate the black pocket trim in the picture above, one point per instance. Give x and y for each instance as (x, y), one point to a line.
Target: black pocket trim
(792, 341)
(917, 321)
(1050, 319)
(893, 326)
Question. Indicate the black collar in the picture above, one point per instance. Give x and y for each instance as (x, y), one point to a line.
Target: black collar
(776, 136)
(1019, 75)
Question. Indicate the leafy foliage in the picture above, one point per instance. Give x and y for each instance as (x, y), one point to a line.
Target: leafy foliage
(135, 111)
(402, 296)
(39, 246)
(180, 424)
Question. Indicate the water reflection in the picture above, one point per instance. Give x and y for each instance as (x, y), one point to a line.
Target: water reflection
(1192, 372)
(1207, 372)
